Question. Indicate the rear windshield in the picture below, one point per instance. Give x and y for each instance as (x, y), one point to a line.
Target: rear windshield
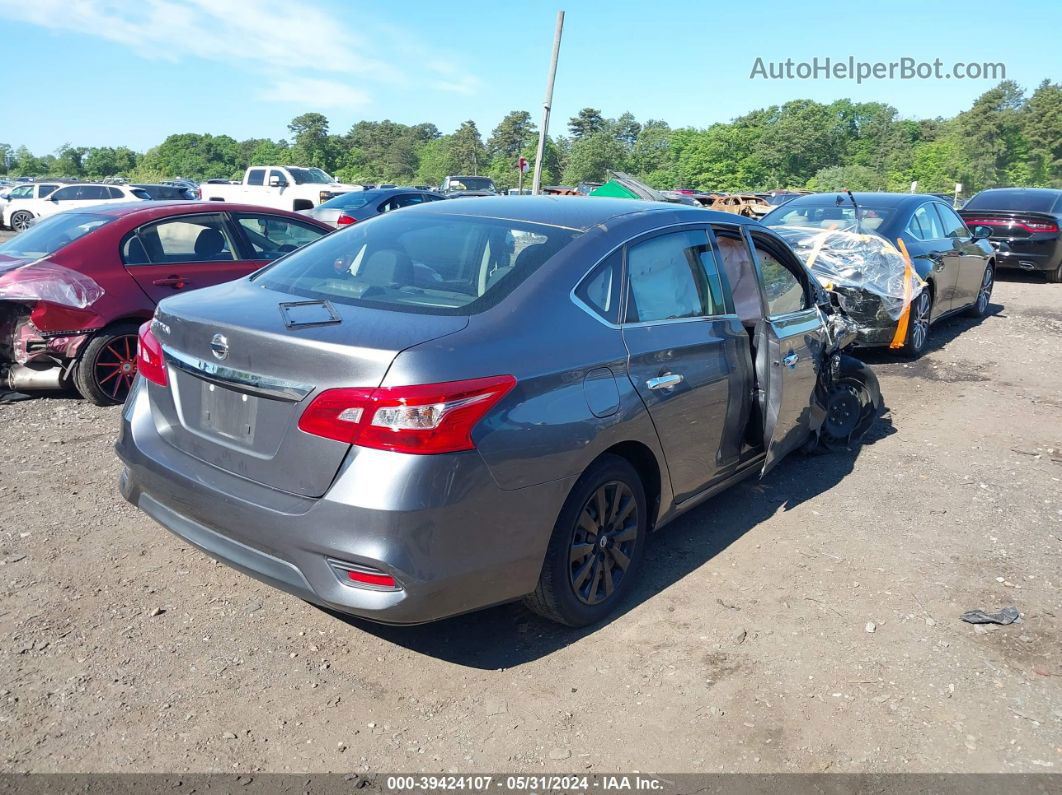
(352, 200)
(51, 234)
(470, 183)
(414, 262)
(1030, 201)
(828, 216)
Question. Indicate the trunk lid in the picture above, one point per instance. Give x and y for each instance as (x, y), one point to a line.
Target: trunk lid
(243, 362)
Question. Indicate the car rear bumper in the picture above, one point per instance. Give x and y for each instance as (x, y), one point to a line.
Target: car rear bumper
(1028, 255)
(452, 539)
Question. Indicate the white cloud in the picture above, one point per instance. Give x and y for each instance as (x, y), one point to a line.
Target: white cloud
(292, 43)
(315, 93)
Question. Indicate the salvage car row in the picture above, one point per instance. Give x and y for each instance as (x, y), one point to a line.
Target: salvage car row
(414, 375)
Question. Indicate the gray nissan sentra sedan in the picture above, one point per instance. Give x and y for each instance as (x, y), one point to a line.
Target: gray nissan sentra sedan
(471, 402)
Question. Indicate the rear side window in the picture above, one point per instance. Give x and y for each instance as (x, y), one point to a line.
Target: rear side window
(667, 277)
(600, 290)
(417, 262)
(783, 290)
(202, 238)
(45, 190)
(256, 176)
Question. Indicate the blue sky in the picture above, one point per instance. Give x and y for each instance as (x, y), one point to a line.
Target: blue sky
(110, 72)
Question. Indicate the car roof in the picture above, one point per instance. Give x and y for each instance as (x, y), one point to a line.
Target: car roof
(572, 212)
(863, 199)
(160, 209)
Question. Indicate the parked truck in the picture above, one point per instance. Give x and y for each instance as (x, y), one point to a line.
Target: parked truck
(280, 187)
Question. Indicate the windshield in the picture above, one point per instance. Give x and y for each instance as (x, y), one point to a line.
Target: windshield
(52, 234)
(829, 216)
(313, 176)
(1028, 200)
(470, 183)
(351, 201)
(418, 262)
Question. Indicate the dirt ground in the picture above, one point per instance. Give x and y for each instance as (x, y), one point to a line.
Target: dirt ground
(808, 622)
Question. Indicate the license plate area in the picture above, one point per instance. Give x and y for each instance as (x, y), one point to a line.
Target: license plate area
(228, 413)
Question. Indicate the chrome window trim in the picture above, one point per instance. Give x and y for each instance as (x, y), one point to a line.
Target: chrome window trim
(237, 380)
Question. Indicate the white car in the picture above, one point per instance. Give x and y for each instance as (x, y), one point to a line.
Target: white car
(19, 198)
(280, 187)
(67, 197)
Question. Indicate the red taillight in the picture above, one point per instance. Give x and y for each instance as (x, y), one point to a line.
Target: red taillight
(149, 361)
(345, 220)
(428, 418)
(1027, 225)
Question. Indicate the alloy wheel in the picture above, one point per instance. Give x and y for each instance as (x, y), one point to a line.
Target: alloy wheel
(984, 295)
(115, 367)
(20, 222)
(603, 543)
(920, 321)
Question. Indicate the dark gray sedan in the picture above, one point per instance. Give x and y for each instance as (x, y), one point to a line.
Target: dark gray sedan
(349, 208)
(467, 403)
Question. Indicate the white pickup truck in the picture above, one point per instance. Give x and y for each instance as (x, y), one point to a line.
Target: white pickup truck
(280, 187)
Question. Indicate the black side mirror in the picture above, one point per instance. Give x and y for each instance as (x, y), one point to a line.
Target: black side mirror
(982, 231)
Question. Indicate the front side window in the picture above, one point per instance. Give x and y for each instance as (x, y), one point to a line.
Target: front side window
(925, 224)
(25, 192)
(115, 193)
(272, 236)
(437, 264)
(953, 224)
(667, 279)
(783, 290)
(178, 240)
(279, 175)
(256, 176)
(65, 194)
(740, 273)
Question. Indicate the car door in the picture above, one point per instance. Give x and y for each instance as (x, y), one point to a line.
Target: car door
(972, 261)
(182, 253)
(925, 238)
(789, 340)
(684, 346)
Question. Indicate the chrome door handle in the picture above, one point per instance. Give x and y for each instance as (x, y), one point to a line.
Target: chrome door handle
(790, 360)
(669, 381)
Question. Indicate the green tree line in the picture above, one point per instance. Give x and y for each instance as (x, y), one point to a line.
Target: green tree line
(1006, 137)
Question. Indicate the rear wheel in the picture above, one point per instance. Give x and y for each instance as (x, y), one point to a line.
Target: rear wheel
(984, 294)
(21, 220)
(107, 365)
(918, 324)
(1055, 276)
(596, 547)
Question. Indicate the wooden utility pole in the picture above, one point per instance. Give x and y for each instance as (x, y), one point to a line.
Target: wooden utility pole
(536, 183)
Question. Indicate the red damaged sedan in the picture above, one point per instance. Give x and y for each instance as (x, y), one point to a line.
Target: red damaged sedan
(75, 287)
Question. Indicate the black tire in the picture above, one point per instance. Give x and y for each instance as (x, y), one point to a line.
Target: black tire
(1055, 276)
(979, 308)
(21, 220)
(107, 365)
(918, 324)
(577, 573)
